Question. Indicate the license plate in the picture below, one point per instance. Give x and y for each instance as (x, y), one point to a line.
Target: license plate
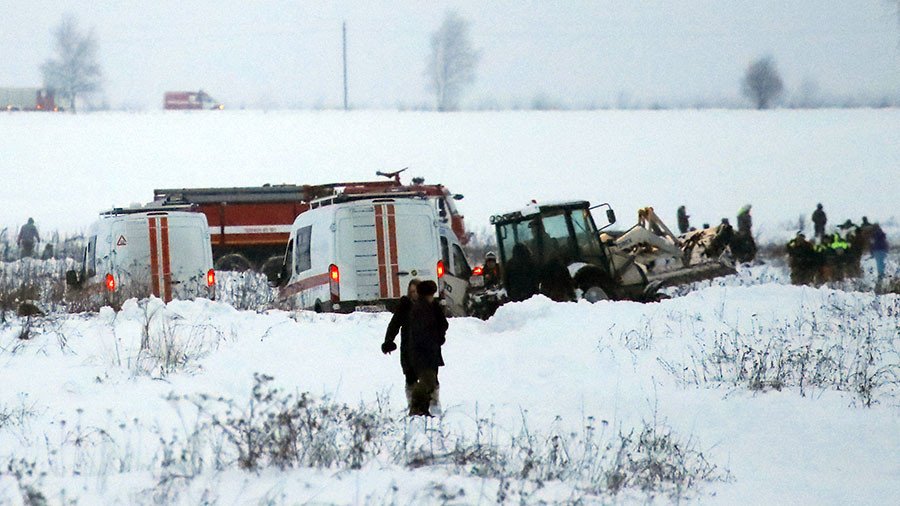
(371, 308)
(476, 281)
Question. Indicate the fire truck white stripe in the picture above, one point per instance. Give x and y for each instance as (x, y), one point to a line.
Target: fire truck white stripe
(252, 229)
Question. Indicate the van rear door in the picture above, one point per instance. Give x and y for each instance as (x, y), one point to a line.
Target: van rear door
(171, 254)
(390, 242)
(190, 257)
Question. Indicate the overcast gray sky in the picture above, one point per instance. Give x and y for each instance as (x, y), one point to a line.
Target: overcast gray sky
(287, 53)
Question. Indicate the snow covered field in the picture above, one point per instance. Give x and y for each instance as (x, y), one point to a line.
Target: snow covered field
(764, 394)
(712, 161)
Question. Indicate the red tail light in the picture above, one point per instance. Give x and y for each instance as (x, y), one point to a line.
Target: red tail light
(440, 269)
(334, 273)
(334, 282)
(478, 270)
(211, 277)
(110, 283)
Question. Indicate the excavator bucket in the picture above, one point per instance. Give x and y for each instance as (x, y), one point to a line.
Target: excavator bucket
(671, 260)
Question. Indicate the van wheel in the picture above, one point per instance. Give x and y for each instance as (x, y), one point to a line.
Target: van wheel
(272, 267)
(233, 262)
(317, 307)
(595, 294)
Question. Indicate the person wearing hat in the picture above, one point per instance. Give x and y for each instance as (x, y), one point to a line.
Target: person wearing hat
(491, 271)
(819, 219)
(28, 236)
(400, 325)
(426, 329)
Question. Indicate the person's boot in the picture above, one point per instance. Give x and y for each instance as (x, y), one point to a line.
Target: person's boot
(409, 399)
(435, 406)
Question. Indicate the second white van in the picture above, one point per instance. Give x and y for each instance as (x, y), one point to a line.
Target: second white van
(361, 255)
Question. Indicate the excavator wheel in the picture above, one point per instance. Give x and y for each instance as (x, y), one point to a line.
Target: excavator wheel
(595, 294)
(594, 283)
(272, 266)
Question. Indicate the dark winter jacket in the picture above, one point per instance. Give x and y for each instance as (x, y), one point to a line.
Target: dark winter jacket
(819, 219)
(879, 240)
(744, 221)
(427, 333)
(683, 223)
(29, 234)
(400, 325)
(521, 275)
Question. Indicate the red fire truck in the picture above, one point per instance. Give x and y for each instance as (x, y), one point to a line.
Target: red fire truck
(249, 226)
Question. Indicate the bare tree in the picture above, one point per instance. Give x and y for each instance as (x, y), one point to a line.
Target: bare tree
(452, 63)
(75, 70)
(762, 83)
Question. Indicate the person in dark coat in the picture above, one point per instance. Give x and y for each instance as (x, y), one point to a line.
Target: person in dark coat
(745, 220)
(683, 224)
(491, 270)
(819, 220)
(28, 237)
(428, 330)
(521, 274)
(400, 325)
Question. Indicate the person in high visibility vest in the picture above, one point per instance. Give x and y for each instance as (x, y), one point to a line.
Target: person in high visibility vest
(838, 243)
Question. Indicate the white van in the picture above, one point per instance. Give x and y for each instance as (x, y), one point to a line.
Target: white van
(361, 255)
(138, 253)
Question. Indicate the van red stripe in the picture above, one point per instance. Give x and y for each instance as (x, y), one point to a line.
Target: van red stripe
(154, 260)
(166, 266)
(392, 235)
(379, 245)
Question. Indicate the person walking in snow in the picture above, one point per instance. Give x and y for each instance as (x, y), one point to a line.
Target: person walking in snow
(879, 248)
(400, 325)
(422, 325)
(428, 331)
(819, 220)
(28, 237)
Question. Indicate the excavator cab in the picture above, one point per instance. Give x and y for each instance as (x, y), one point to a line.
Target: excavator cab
(556, 250)
(562, 232)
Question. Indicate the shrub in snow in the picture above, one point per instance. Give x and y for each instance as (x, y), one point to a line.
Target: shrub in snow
(275, 429)
(840, 346)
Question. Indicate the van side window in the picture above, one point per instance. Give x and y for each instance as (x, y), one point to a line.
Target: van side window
(288, 265)
(90, 257)
(304, 256)
(460, 265)
(445, 253)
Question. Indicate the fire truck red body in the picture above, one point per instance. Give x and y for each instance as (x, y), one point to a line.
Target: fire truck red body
(186, 100)
(27, 99)
(249, 226)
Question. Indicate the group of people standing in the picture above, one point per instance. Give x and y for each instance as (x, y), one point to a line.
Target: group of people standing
(836, 255)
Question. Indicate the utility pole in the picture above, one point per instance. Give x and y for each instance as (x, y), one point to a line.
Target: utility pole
(344, 32)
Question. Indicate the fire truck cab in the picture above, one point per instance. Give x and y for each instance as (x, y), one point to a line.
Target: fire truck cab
(362, 254)
(140, 252)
